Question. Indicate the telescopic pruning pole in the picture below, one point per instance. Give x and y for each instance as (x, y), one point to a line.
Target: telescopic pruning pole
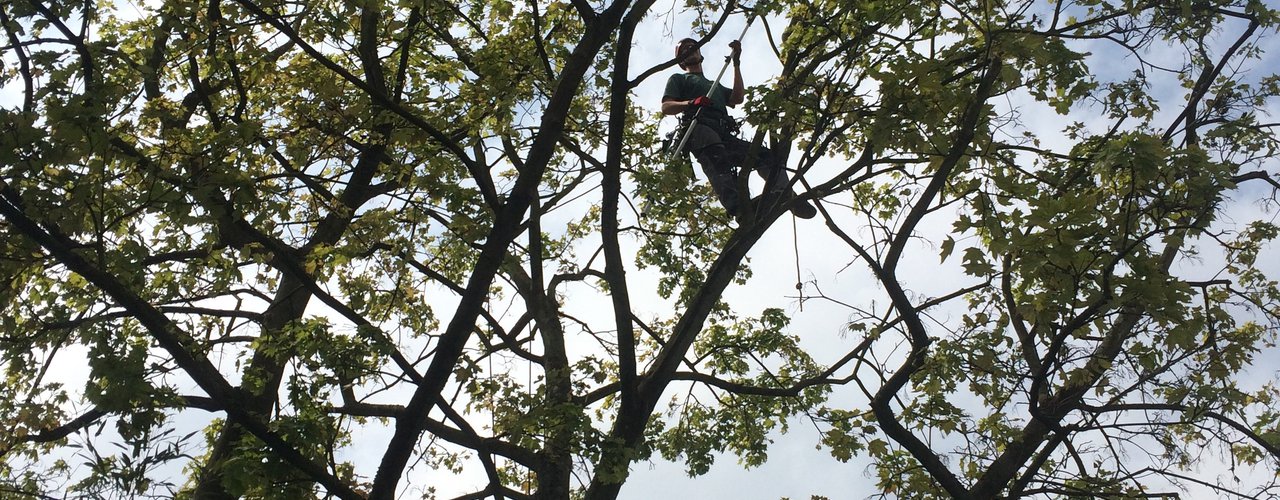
(684, 138)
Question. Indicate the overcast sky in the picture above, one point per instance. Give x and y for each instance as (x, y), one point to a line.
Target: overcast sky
(796, 468)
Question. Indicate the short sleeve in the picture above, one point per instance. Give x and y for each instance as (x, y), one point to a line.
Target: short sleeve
(675, 88)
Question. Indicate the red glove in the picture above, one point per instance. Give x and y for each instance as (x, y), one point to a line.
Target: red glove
(699, 102)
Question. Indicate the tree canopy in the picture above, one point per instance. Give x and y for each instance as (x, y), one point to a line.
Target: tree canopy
(432, 249)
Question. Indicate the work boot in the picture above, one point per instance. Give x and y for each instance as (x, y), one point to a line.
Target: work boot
(804, 210)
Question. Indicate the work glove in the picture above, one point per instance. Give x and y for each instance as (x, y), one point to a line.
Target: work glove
(700, 101)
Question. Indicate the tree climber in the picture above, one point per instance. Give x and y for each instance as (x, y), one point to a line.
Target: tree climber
(712, 140)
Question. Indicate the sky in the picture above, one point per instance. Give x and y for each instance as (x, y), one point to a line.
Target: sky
(796, 468)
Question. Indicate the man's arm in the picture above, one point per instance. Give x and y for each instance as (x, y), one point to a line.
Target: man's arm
(739, 93)
(673, 106)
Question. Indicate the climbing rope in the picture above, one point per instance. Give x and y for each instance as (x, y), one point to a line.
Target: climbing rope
(795, 247)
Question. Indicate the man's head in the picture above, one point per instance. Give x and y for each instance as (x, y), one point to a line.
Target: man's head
(688, 53)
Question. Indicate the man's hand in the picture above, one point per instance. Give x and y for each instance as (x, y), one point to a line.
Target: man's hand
(699, 102)
(735, 52)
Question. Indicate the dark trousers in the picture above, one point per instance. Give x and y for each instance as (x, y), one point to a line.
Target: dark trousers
(721, 155)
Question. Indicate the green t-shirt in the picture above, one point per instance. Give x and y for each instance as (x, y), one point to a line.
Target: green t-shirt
(686, 86)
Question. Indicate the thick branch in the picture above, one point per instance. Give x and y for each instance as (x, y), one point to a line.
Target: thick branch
(495, 250)
(170, 337)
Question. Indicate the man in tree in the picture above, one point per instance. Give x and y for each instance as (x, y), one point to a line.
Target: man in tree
(712, 140)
